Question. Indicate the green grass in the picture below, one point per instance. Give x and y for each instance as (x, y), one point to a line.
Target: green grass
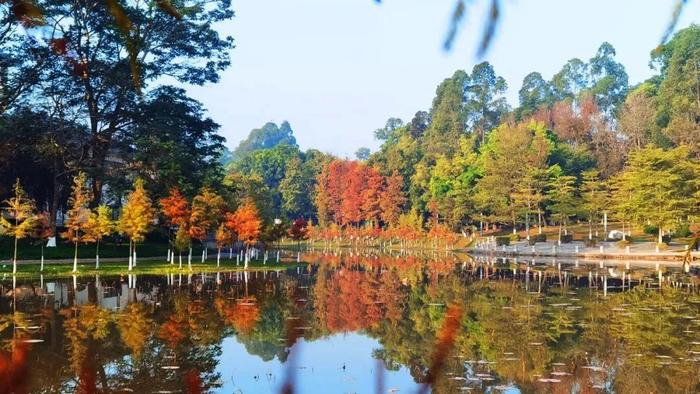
(27, 250)
(142, 268)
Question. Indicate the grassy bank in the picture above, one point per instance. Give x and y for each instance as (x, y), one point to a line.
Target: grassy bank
(144, 267)
(28, 250)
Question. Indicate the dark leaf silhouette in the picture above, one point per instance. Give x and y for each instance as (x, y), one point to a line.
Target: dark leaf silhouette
(675, 16)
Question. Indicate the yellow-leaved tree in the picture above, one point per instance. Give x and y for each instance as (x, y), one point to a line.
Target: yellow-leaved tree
(182, 242)
(135, 219)
(78, 215)
(18, 219)
(100, 225)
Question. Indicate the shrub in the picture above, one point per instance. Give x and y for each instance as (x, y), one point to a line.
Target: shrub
(567, 238)
(662, 246)
(651, 230)
(666, 239)
(500, 241)
(683, 231)
(514, 237)
(537, 238)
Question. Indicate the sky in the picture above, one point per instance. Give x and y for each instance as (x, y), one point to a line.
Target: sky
(338, 69)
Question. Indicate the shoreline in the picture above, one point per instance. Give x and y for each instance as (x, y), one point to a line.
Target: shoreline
(578, 250)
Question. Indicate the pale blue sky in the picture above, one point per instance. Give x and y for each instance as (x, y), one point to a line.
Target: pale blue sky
(337, 69)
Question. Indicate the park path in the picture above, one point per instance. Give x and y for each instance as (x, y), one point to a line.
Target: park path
(604, 250)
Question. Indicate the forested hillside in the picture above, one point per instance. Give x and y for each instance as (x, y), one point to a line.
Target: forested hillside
(580, 144)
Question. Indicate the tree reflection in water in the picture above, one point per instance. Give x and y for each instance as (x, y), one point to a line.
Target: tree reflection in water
(544, 327)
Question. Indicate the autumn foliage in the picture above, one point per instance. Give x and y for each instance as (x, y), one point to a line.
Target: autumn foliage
(79, 213)
(43, 229)
(243, 315)
(245, 222)
(350, 193)
(207, 208)
(299, 230)
(137, 214)
(175, 207)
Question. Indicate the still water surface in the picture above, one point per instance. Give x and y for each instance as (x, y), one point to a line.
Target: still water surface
(359, 323)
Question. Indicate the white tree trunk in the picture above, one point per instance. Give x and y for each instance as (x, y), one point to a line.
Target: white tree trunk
(75, 258)
(131, 257)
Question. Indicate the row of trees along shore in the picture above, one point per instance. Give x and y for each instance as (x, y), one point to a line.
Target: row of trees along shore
(206, 214)
(578, 145)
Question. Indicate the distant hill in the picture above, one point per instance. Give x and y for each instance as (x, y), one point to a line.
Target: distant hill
(266, 137)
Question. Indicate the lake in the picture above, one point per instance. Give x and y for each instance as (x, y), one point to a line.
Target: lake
(360, 322)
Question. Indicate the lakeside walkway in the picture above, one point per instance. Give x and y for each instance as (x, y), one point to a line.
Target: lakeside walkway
(578, 249)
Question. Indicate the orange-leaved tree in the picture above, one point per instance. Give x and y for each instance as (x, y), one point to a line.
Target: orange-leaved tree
(393, 199)
(100, 225)
(177, 211)
(78, 215)
(351, 197)
(43, 230)
(175, 207)
(224, 238)
(372, 197)
(21, 218)
(248, 225)
(135, 219)
(231, 224)
(207, 207)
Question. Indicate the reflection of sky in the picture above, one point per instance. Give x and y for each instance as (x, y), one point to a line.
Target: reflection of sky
(319, 368)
